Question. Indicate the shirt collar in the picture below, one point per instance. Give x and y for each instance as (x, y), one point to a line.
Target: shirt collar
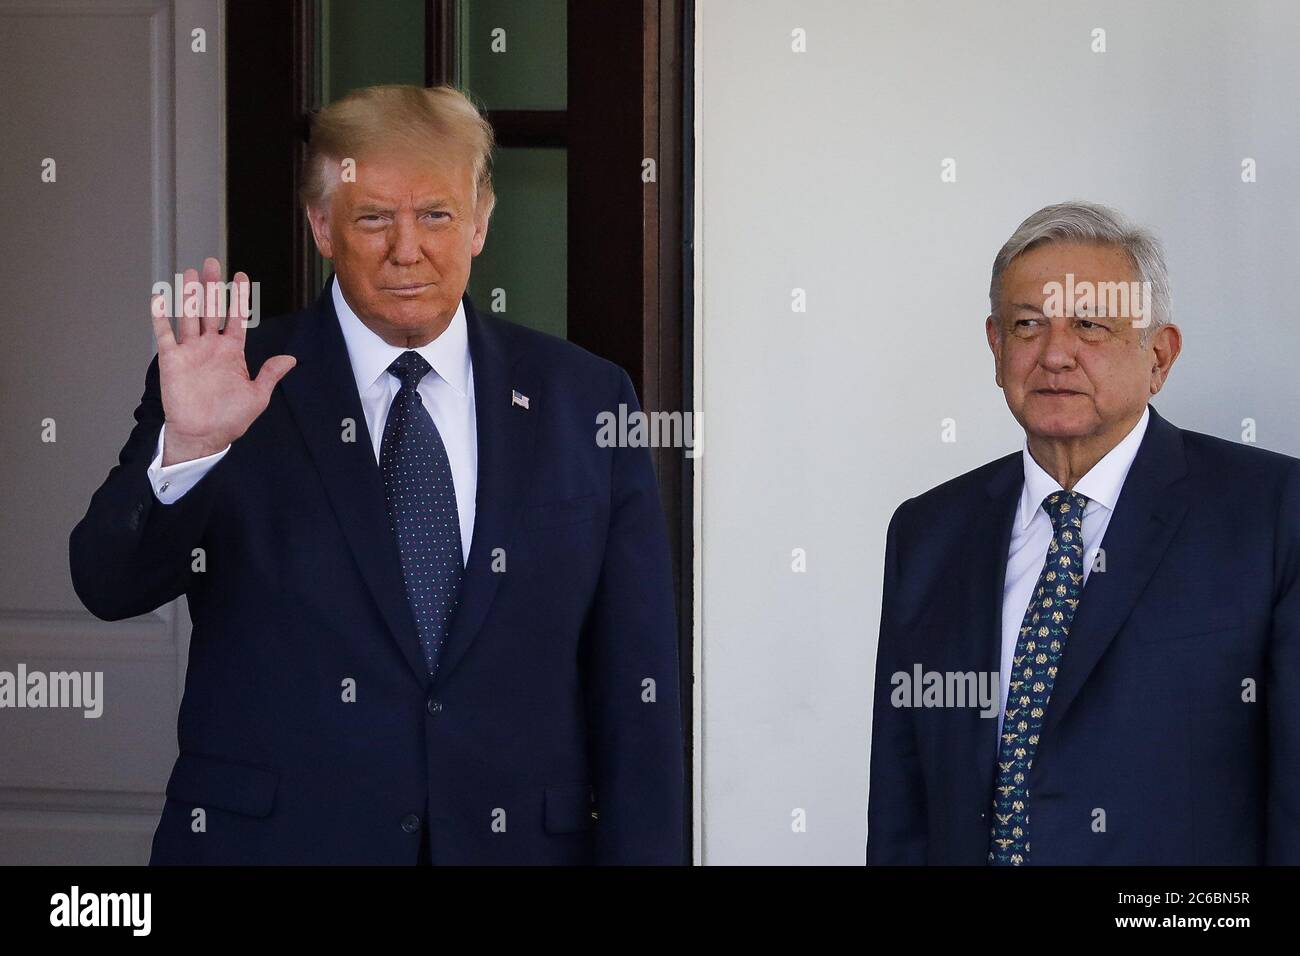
(370, 355)
(1102, 483)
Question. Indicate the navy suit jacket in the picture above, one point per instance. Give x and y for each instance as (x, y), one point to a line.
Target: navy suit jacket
(552, 733)
(1147, 722)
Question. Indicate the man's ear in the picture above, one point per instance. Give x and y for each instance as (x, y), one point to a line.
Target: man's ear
(1166, 343)
(480, 234)
(995, 346)
(319, 217)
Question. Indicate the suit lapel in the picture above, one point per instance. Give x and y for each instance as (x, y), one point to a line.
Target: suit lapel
(321, 392)
(986, 554)
(1150, 508)
(506, 433)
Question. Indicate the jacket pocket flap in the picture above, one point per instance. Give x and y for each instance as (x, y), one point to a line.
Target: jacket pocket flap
(569, 807)
(216, 782)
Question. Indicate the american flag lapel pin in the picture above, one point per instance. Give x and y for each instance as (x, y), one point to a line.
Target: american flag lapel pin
(518, 398)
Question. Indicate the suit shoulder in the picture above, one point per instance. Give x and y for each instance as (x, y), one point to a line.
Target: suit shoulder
(1234, 463)
(961, 490)
(554, 355)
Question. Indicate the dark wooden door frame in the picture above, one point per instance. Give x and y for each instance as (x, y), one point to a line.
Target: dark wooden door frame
(629, 240)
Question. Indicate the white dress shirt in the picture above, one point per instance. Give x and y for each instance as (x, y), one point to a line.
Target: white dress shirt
(1031, 533)
(447, 393)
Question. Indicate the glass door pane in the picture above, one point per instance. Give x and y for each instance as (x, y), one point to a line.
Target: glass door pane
(522, 272)
(513, 55)
(362, 44)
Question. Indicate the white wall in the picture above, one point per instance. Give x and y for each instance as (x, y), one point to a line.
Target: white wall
(821, 171)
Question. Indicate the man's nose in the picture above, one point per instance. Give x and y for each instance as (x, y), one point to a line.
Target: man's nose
(1058, 349)
(405, 246)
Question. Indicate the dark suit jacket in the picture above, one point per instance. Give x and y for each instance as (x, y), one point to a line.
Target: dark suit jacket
(1147, 720)
(539, 704)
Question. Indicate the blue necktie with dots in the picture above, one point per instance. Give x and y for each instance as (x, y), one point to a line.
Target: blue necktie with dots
(422, 508)
(1033, 673)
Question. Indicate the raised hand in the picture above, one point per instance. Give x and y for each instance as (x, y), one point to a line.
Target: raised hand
(208, 398)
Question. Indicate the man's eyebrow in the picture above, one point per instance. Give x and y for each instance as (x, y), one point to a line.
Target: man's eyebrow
(1026, 307)
(368, 206)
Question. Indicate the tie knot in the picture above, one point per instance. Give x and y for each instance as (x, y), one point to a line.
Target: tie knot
(410, 367)
(1065, 508)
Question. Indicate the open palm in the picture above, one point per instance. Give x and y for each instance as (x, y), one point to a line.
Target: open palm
(208, 398)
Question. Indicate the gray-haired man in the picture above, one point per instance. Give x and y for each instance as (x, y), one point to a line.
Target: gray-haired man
(1132, 585)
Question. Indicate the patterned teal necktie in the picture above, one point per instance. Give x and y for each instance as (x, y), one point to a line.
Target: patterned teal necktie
(1033, 672)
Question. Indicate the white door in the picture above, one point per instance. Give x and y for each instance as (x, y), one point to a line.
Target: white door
(113, 102)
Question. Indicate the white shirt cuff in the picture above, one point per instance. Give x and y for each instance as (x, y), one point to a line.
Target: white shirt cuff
(170, 482)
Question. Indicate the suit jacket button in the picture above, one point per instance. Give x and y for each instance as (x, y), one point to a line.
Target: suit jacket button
(434, 706)
(411, 823)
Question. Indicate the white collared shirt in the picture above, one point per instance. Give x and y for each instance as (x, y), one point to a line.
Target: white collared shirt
(1031, 533)
(447, 393)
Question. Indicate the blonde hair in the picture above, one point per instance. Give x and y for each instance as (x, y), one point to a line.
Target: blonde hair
(406, 120)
